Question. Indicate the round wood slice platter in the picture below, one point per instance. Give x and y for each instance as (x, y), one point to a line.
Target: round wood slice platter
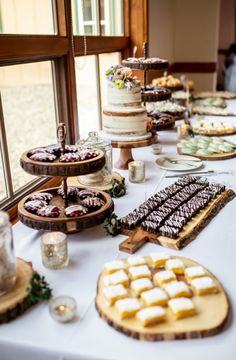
(63, 223)
(212, 314)
(213, 133)
(15, 302)
(57, 168)
(134, 144)
(163, 65)
(221, 156)
(115, 176)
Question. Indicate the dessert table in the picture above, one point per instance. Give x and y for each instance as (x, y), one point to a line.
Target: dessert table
(35, 335)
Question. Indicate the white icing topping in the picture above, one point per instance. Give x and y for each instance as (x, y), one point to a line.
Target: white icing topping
(194, 271)
(131, 304)
(115, 265)
(176, 287)
(164, 276)
(136, 260)
(139, 271)
(162, 106)
(174, 264)
(140, 284)
(151, 313)
(153, 295)
(180, 304)
(111, 292)
(157, 256)
(203, 283)
(116, 278)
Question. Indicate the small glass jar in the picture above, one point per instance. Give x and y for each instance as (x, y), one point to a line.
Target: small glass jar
(54, 250)
(7, 256)
(136, 171)
(103, 176)
(63, 308)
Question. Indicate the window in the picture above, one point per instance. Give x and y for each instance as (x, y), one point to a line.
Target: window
(3, 192)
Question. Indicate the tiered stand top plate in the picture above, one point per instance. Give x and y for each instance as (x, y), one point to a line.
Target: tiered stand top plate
(57, 168)
(212, 314)
(63, 223)
(162, 65)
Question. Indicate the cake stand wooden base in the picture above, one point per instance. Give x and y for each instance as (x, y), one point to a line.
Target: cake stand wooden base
(126, 147)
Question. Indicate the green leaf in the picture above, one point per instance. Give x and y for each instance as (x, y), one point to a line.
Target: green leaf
(39, 289)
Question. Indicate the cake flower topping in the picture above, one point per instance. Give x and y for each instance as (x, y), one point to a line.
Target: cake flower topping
(121, 77)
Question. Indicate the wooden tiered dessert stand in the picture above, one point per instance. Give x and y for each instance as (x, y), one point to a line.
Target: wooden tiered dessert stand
(64, 170)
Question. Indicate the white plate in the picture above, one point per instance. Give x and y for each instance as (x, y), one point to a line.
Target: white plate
(184, 162)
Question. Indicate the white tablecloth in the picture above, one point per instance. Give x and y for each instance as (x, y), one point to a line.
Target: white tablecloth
(36, 336)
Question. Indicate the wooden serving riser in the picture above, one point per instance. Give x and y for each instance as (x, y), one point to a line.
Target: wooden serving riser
(63, 223)
(57, 168)
(15, 302)
(212, 315)
(222, 156)
(138, 237)
(126, 147)
(213, 133)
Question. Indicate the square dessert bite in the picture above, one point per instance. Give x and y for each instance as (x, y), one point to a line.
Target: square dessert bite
(154, 296)
(141, 285)
(138, 272)
(176, 265)
(113, 293)
(182, 307)
(151, 315)
(136, 261)
(159, 259)
(118, 277)
(112, 266)
(177, 289)
(193, 272)
(204, 285)
(163, 277)
(127, 307)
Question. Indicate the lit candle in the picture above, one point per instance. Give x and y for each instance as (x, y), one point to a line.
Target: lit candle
(63, 308)
(136, 171)
(54, 250)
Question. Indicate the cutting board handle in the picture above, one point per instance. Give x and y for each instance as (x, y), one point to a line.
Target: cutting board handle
(134, 242)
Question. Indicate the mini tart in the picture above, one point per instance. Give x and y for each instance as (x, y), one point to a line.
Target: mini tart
(140, 285)
(176, 265)
(159, 259)
(113, 266)
(127, 307)
(138, 272)
(182, 307)
(204, 286)
(154, 296)
(193, 272)
(164, 277)
(118, 277)
(177, 289)
(114, 292)
(151, 315)
(136, 261)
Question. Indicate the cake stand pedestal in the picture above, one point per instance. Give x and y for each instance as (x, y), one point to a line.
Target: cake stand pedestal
(126, 147)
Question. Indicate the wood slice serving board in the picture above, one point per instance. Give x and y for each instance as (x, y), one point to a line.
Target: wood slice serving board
(138, 237)
(220, 156)
(222, 132)
(15, 302)
(212, 312)
(57, 168)
(63, 223)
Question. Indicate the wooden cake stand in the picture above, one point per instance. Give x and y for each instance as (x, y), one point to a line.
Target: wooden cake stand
(56, 168)
(126, 147)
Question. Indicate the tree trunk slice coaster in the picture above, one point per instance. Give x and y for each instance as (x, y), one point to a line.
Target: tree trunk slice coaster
(16, 302)
(138, 237)
(107, 187)
(57, 168)
(212, 312)
(63, 223)
(126, 147)
(220, 156)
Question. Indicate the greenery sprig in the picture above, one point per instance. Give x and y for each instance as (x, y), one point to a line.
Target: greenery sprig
(39, 289)
(118, 189)
(111, 225)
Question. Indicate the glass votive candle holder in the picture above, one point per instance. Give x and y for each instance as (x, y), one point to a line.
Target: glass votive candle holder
(54, 250)
(156, 149)
(183, 131)
(136, 171)
(63, 308)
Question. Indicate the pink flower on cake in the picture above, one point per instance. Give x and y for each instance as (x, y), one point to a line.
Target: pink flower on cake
(119, 74)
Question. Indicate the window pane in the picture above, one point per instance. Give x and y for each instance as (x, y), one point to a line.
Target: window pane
(26, 17)
(87, 94)
(105, 61)
(3, 192)
(85, 17)
(29, 112)
(112, 17)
